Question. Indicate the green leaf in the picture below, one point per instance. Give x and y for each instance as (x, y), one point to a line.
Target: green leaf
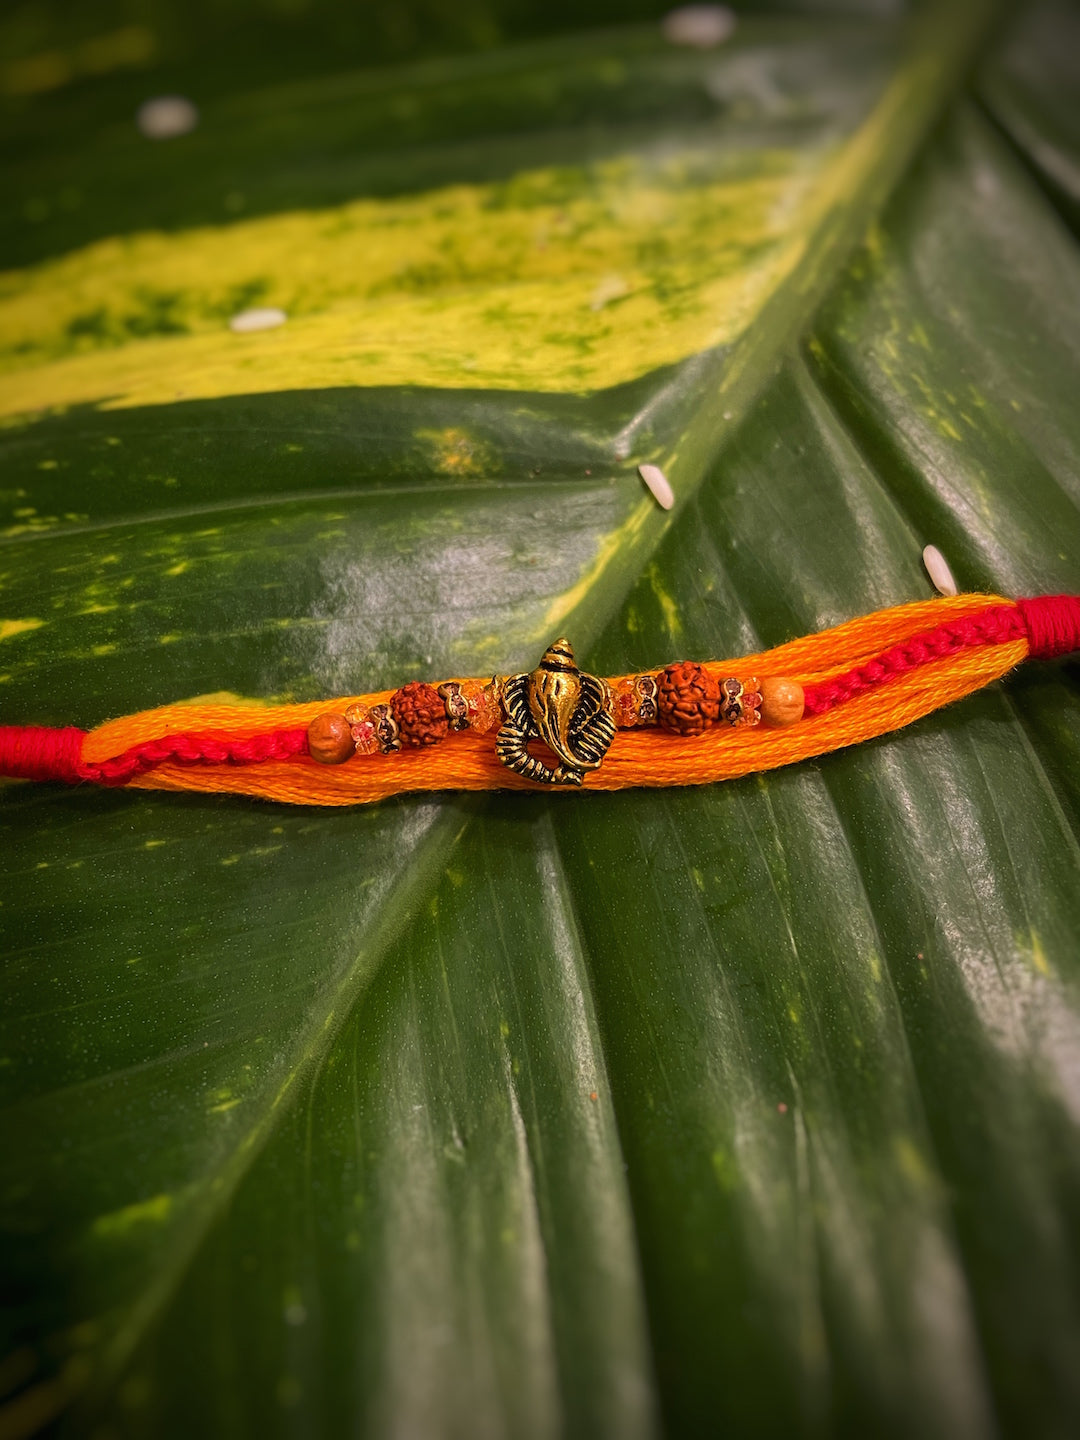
(749, 1107)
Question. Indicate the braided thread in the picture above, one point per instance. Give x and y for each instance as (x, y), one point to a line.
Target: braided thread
(205, 749)
(994, 626)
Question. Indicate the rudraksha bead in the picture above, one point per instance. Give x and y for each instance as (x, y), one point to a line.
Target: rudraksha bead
(420, 713)
(688, 698)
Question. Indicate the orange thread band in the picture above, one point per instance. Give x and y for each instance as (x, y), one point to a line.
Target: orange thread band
(637, 757)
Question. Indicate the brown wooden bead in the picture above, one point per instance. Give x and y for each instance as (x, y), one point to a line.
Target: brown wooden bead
(330, 740)
(420, 713)
(688, 698)
(781, 702)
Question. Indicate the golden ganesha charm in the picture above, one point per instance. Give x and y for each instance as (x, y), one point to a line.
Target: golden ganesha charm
(569, 711)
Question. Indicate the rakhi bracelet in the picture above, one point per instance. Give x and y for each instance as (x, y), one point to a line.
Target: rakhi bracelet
(556, 726)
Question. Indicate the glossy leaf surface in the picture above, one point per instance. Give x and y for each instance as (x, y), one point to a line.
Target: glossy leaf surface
(748, 1108)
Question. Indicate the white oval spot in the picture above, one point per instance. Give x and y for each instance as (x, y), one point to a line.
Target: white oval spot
(701, 26)
(267, 318)
(937, 567)
(166, 116)
(658, 483)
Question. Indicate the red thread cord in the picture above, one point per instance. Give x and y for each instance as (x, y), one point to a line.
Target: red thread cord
(34, 752)
(1053, 624)
(994, 626)
(206, 749)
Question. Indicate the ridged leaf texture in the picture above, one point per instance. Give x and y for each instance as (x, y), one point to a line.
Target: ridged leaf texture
(747, 1110)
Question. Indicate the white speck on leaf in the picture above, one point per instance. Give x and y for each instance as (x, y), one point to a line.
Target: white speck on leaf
(937, 567)
(248, 321)
(658, 483)
(166, 116)
(701, 26)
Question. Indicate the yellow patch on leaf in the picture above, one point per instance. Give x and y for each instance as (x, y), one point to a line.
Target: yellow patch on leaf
(491, 285)
(8, 628)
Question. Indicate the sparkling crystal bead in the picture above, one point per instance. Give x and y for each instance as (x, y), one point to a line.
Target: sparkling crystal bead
(365, 738)
(634, 701)
(483, 711)
(751, 703)
(624, 699)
